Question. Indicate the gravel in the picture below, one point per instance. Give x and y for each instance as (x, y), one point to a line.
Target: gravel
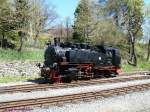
(19, 68)
(24, 82)
(134, 102)
(68, 91)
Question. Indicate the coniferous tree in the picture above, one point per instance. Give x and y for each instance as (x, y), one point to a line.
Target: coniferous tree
(82, 21)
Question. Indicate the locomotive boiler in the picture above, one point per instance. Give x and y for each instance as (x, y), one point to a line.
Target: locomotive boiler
(65, 62)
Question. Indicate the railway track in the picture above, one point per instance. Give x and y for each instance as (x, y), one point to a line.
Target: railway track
(35, 87)
(42, 102)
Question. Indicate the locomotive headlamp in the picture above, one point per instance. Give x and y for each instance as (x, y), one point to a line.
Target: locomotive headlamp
(100, 58)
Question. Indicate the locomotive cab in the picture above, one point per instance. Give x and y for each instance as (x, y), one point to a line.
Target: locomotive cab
(115, 56)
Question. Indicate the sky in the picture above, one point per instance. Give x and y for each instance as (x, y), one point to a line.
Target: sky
(66, 8)
(147, 1)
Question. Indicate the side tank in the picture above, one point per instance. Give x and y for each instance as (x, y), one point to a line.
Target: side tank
(87, 56)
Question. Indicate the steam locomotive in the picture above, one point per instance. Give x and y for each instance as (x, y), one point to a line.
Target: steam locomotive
(65, 62)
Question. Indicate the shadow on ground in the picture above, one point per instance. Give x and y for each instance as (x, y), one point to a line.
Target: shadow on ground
(38, 81)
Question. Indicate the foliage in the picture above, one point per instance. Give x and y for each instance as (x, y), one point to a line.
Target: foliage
(20, 19)
(104, 28)
(128, 17)
(106, 32)
(82, 21)
(21, 15)
(6, 18)
(133, 22)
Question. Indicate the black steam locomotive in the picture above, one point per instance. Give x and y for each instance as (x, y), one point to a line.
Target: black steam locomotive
(65, 62)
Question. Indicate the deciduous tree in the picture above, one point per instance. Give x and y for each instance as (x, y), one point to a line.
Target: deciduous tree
(133, 23)
(129, 17)
(22, 15)
(147, 29)
(42, 17)
(68, 28)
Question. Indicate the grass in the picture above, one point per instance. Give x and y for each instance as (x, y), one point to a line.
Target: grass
(11, 55)
(142, 66)
(16, 78)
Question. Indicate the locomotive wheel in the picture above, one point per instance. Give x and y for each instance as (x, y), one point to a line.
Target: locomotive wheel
(46, 80)
(99, 75)
(67, 79)
(107, 75)
(51, 82)
(113, 74)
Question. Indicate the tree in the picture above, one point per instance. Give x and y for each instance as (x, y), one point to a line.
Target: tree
(6, 18)
(147, 29)
(104, 28)
(82, 21)
(133, 23)
(68, 28)
(129, 17)
(22, 18)
(22, 12)
(59, 30)
(148, 50)
(107, 33)
(42, 17)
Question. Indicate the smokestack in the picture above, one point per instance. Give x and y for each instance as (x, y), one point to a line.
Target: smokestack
(55, 42)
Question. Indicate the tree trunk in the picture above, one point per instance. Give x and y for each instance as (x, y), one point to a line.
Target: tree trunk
(132, 58)
(87, 33)
(3, 36)
(129, 47)
(35, 39)
(148, 51)
(21, 35)
(133, 55)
